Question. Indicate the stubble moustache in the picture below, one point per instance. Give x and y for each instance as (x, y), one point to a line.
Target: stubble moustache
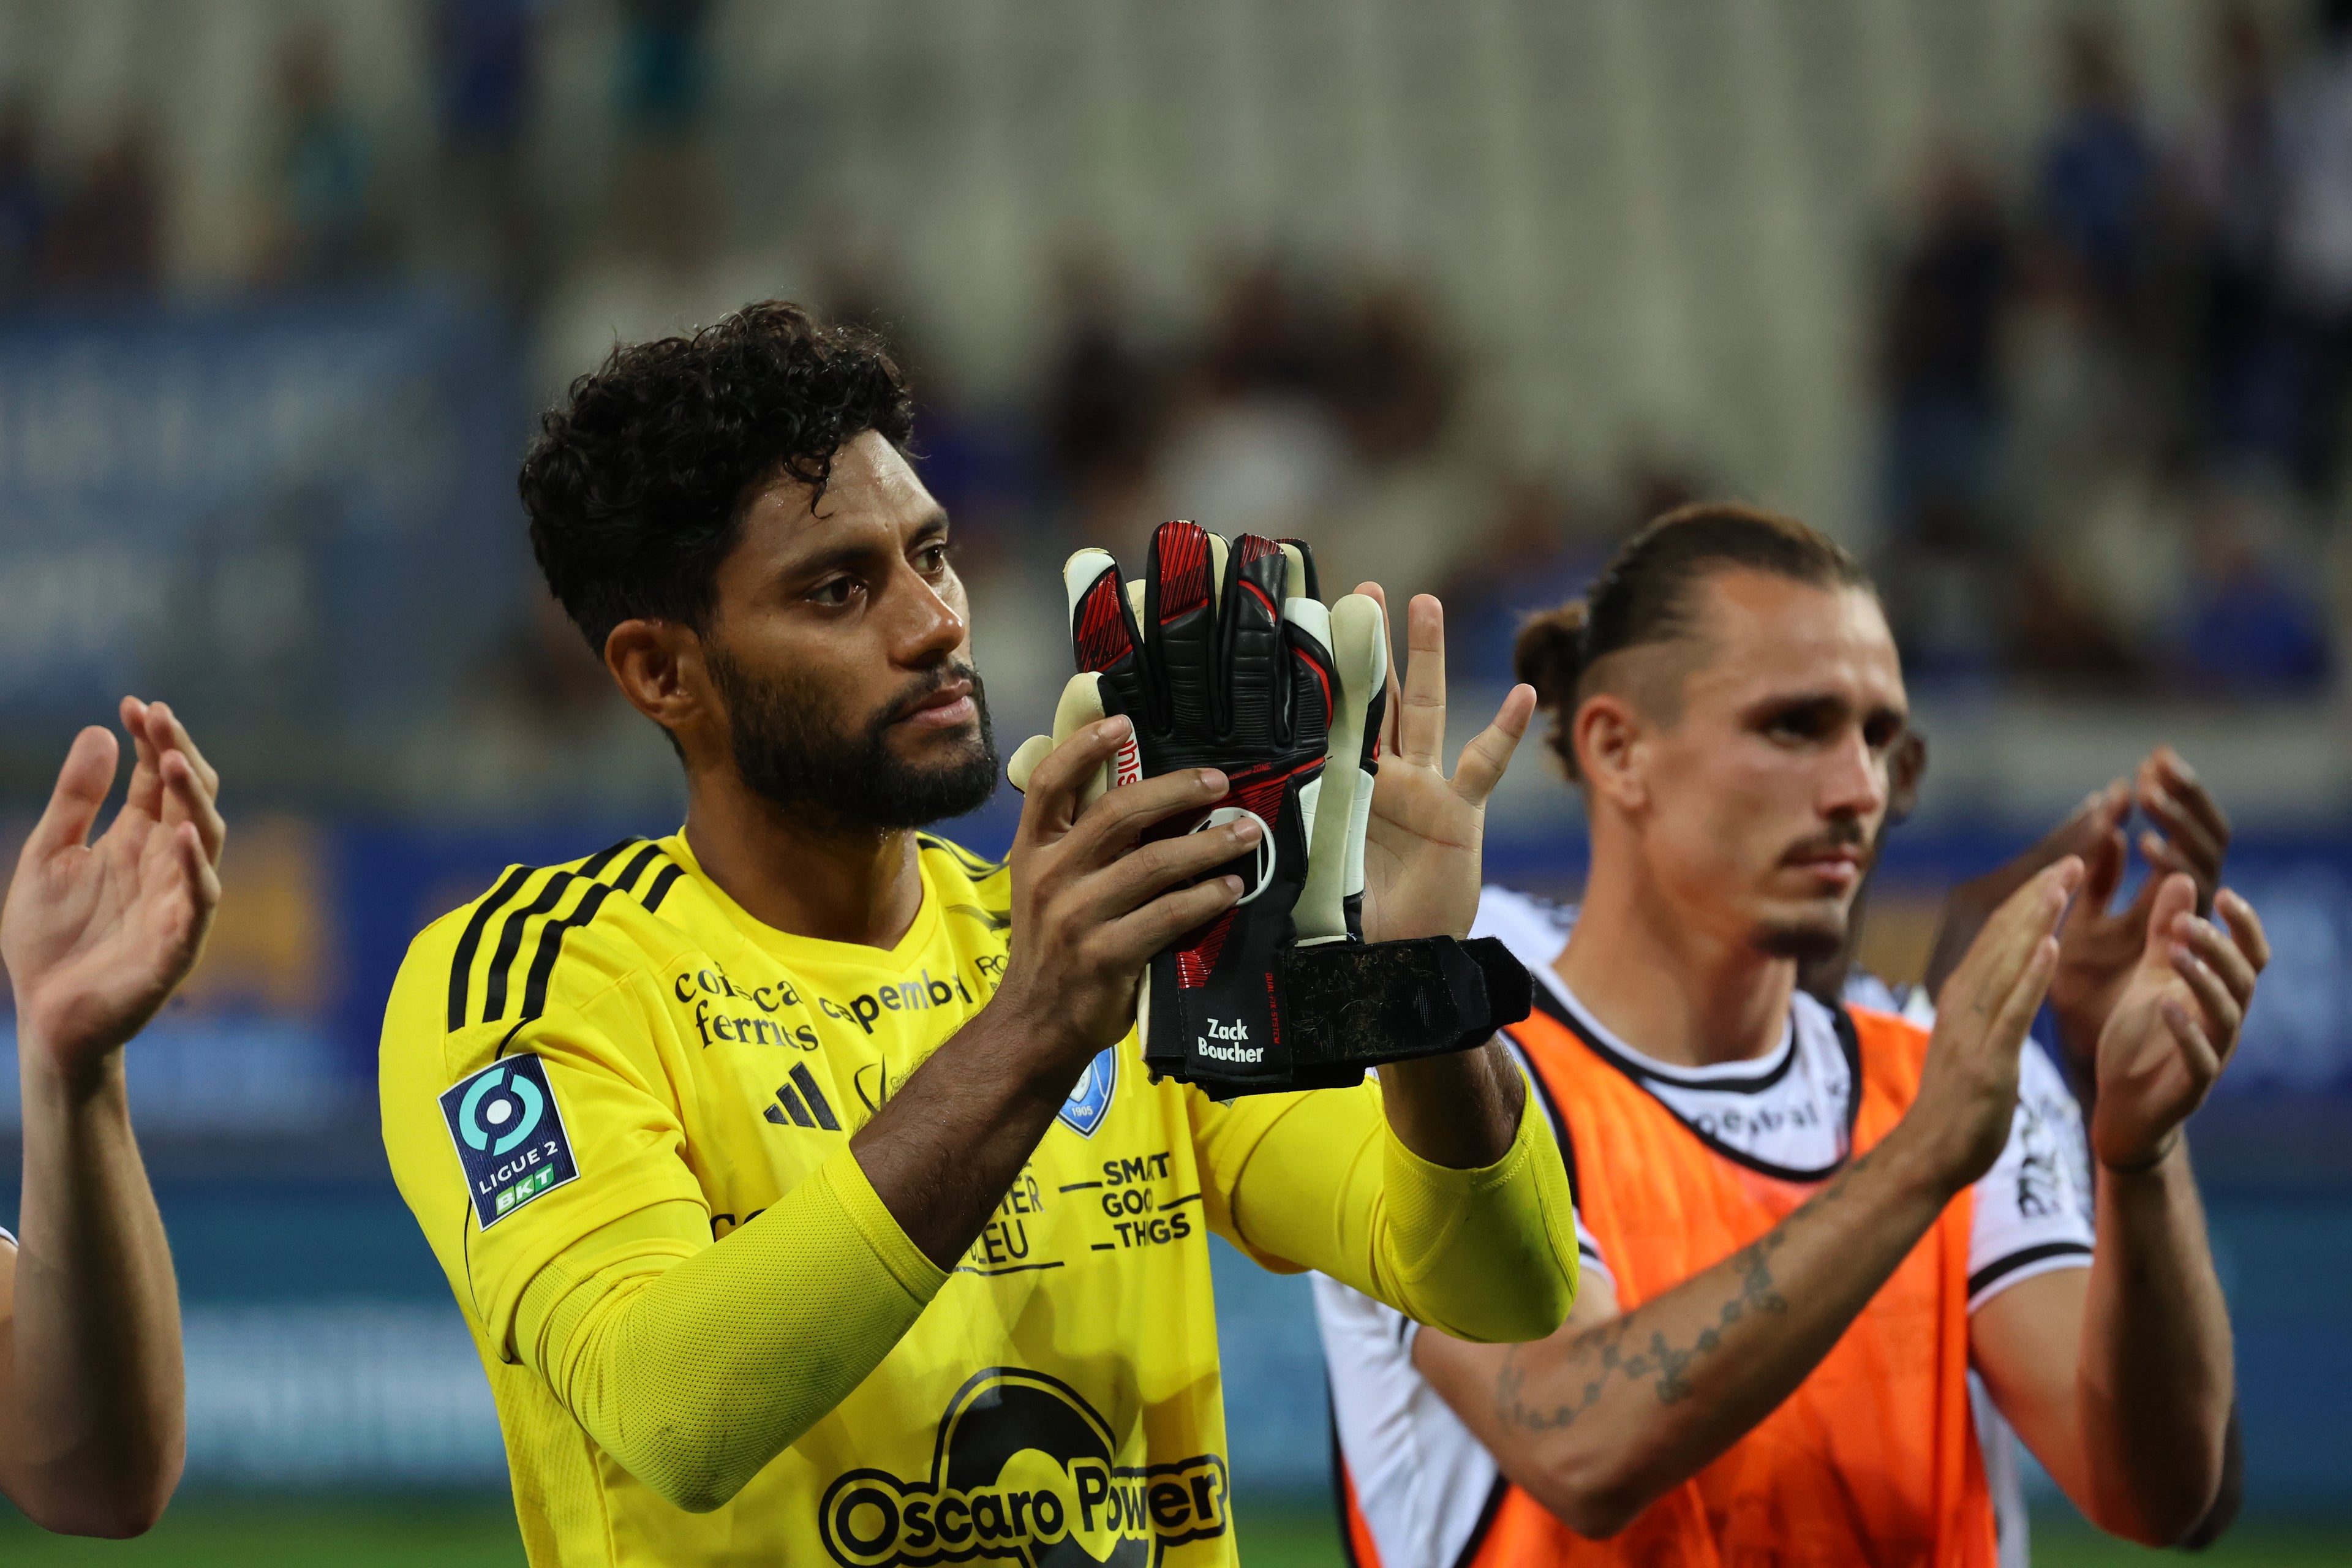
(1812, 940)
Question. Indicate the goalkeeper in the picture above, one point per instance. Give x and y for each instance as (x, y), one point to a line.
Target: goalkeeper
(798, 1174)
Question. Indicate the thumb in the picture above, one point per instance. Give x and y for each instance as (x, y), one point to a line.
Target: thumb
(82, 786)
(2175, 897)
(1025, 758)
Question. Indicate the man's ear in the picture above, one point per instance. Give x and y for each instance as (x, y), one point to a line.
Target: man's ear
(1905, 769)
(1611, 758)
(659, 667)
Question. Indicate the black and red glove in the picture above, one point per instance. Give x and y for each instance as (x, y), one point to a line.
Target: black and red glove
(1224, 658)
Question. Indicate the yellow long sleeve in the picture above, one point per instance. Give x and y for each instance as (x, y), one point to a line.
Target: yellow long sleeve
(694, 1364)
(1320, 1181)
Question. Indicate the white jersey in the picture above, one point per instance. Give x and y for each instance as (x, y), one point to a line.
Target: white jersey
(1425, 1484)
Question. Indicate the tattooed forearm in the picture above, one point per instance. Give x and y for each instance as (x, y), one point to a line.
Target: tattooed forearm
(1631, 1350)
(1604, 1355)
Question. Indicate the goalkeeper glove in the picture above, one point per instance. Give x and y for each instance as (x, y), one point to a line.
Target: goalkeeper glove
(1223, 656)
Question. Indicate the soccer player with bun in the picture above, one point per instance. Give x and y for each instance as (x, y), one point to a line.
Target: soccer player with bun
(96, 935)
(797, 1173)
(1803, 1224)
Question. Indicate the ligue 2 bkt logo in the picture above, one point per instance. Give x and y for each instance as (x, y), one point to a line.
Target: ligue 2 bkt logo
(509, 1136)
(499, 1111)
(1024, 1471)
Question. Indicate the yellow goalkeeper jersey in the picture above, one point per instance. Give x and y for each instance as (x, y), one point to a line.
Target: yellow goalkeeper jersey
(587, 1041)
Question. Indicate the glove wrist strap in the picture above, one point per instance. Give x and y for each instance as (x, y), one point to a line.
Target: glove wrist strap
(1348, 1006)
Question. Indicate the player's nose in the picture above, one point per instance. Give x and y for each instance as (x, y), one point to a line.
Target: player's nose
(926, 623)
(1854, 779)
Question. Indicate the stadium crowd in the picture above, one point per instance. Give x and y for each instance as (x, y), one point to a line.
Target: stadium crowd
(2110, 378)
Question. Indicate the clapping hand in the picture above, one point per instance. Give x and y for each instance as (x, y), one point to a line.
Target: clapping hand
(96, 935)
(2174, 1021)
(2100, 945)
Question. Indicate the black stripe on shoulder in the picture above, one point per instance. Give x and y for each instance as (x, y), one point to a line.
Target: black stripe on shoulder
(973, 866)
(594, 865)
(662, 884)
(2002, 1268)
(510, 936)
(494, 990)
(627, 879)
(551, 945)
(462, 966)
(552, 932)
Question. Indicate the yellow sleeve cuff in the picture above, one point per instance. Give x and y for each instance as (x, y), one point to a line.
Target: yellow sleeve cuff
(845, 1179)
(1486, 1254)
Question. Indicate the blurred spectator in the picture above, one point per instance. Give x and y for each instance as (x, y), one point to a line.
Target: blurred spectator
(2235, 182)
(325, 228)
(486, 78)
(2247, 626)
(665, 66)
(1654, 486)
(1947, 425)
(1256, 450)
(663, 96)
(2317, 246)
(107, 237)
(1393, 378)
(2095, 177)
(486, 70)
(1533, 557)
(1945, 410)
(24, 204)
(538, 719)
(2059, 631)
(1268, 338)
(1104, 405)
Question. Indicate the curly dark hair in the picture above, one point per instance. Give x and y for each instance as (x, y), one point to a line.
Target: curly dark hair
(636, 486)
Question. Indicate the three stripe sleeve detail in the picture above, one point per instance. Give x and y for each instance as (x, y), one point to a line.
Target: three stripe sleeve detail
(462, 964)
(506, 956)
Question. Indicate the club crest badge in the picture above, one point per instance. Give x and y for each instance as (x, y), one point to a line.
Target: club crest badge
(1090, 1102)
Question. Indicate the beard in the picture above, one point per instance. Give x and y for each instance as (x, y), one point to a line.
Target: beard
(847, 776)
(1813, 941)
(1818, 935)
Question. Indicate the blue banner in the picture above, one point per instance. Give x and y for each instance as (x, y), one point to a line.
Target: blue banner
(258, 506)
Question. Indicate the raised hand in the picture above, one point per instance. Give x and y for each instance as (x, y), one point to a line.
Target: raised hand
(1093, 901)
(1422, 847)
(2085, 834)
(2099, 946)
(2174, 1022)
(1968, 1087)
(96, 935)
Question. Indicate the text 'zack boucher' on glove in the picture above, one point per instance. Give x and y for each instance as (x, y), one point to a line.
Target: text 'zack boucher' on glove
(1224, 658)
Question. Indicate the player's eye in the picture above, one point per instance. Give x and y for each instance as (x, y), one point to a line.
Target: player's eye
(1881, 732)
(1802, 723)
(932, 558)
(836, 591)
